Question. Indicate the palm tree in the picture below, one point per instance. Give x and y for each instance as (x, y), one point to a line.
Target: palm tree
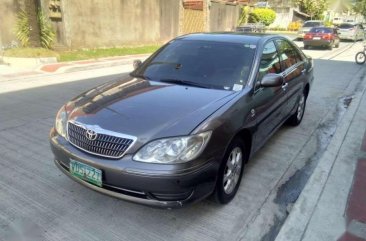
(31, 9)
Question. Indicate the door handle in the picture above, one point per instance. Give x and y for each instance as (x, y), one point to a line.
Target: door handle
(284, 86)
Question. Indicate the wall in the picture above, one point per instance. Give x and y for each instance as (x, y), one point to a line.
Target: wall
(8, 14)
(95, 23)
(284, 16)
(223, 17)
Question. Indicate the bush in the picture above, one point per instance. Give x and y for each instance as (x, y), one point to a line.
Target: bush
(328, 24)
(22, 28)
(262, 15)
(294, 26)
(22, 31)
(46, 31)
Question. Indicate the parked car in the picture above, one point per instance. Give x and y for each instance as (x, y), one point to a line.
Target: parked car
(307, 26)
(184, 123)
(251, 28)
(322, 37)
(337, 21)
(351, 31)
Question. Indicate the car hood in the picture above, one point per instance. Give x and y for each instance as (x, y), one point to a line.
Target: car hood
(146, 109)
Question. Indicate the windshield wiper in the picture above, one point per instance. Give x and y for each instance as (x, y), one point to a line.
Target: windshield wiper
(184, 82)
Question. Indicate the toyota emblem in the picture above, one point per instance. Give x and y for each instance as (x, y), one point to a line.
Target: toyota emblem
(91, 135)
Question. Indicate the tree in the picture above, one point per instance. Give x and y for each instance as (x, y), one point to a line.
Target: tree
(360, 7)
(262, 15)
(31, 10)
(314, 8)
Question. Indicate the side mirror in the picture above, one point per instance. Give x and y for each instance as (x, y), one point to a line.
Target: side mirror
(271, 80)
(137, 63)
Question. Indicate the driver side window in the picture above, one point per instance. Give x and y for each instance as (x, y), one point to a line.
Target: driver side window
(270, 61)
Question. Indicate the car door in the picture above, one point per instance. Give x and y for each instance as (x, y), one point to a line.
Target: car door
(268, 102)
(293, 66)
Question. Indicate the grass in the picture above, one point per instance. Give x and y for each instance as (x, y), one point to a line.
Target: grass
(30, 53)
(84, 54)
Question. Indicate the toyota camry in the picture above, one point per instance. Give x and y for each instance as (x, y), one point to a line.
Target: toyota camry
(184, 123)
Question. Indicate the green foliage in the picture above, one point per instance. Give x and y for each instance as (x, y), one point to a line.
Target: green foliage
(294, 26)
(313, 8)
(46, 31)
(262, 15)
(360, 7)
(30, 53)
(22, 31)
(328, 24)
(244, 15)
(22, 28)
(106, 52)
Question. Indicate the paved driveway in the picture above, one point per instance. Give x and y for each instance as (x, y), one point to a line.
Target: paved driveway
(34, 194)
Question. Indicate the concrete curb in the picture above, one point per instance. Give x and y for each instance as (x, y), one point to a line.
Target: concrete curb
(296, 224)
(66, 67)
(74, 66)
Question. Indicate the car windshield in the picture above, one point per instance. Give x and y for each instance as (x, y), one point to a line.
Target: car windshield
(311, 24)
(321, 30)
(346, 25)
(198, 63)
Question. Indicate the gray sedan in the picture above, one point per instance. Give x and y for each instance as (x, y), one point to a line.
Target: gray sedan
(183, 125)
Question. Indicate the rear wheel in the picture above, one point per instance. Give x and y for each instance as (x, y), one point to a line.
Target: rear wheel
(360, 58)
(296, 118)
(231, 172)
(330, 47)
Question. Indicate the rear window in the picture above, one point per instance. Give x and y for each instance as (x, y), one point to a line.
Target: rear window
(312, 24)
(346, 25)
(321, 30)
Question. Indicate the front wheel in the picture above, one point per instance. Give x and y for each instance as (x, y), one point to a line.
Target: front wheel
(360, 58)
(231, 172)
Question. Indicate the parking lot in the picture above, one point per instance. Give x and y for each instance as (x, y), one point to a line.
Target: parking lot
(33, 192)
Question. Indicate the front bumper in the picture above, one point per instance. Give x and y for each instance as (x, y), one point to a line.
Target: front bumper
(139, 182)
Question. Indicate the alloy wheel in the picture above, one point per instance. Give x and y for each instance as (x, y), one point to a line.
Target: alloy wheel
(233, 168)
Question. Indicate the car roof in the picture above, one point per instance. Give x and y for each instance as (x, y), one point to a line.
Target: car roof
(228, 37)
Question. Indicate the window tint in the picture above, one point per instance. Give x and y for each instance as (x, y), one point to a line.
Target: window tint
(346, 26)
(288, 54)
(213, 64)
(312, 24)
(270, 61)
(321, 30)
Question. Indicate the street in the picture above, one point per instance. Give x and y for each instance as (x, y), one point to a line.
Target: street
(34, 192)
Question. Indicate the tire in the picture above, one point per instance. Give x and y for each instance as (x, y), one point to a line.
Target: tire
(306, 47)
(330, 47)
(360, 58)
(296, 118)
(230, 172)
(337, 45)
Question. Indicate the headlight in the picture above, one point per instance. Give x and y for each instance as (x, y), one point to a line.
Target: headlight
(173, 150)
(61, 121)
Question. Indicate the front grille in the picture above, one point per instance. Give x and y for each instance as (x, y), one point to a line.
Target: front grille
(104, 145)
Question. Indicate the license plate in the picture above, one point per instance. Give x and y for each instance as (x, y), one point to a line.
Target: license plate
(316, 38)
(86, 172)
